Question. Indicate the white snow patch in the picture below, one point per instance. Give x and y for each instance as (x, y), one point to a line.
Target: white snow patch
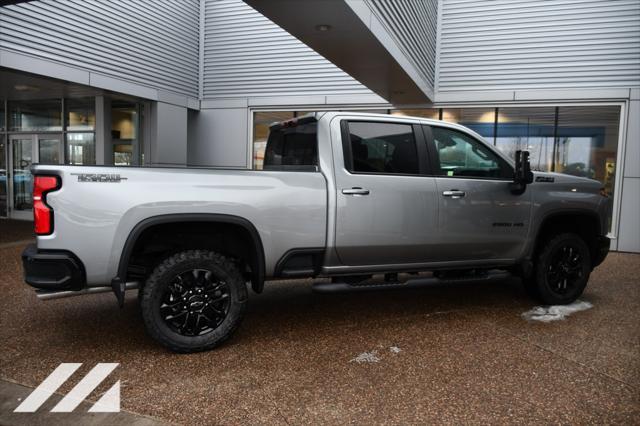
(555, 312)
(366, 357)
(395, 349)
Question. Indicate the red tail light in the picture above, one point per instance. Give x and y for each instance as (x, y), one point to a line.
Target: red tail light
(42, 213)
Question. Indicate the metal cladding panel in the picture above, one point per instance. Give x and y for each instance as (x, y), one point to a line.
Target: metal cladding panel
(524, 44)
(247, 55)
(148, 42)
(413, 25)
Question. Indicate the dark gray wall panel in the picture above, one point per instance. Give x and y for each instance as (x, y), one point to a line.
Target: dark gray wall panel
(149, 42)
(515, 44)
(247, 55)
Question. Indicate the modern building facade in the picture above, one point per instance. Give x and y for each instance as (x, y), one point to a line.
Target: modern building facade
(197, 82)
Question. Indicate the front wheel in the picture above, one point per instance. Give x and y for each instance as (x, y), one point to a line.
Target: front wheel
(561, 270)
(193, 301)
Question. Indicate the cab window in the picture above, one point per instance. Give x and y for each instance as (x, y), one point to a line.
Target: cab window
(460, 155)
(388, 148)
(292, 148)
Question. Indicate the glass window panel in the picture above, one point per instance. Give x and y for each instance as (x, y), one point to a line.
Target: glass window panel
(35, 115)
(124, 132)
(81, 114)
(261, 123)
(49, 151)
(2, 118)
(530, 129)
(461, 155)
(432, 113)
(122, 155)
(587, 142)
(80, 149)
(293, 146)
(382, 148)
(480, 120)
(22, 180)
(3, 177)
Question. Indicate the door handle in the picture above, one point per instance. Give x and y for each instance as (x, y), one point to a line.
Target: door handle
(355, 191)
(454, 193)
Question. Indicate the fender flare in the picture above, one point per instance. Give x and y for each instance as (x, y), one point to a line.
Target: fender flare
(258, 265)
(560, 212)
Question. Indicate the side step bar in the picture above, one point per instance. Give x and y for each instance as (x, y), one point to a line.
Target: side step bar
(418, 282)
(49, 295)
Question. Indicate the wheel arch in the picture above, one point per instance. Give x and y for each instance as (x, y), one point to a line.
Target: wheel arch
(256, 261)
(584, 222)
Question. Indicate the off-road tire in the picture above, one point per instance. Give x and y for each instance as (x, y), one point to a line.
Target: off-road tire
(539, 285)
(165, 273)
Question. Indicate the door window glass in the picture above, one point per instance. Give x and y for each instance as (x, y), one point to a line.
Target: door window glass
(381, 148)
(461, 155)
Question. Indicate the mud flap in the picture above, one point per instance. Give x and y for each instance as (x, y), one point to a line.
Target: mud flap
(118, 286)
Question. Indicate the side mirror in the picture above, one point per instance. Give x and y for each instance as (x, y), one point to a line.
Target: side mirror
(523, 175)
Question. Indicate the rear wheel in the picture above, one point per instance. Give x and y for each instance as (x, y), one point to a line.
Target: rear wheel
(561, 270)
(193, 301)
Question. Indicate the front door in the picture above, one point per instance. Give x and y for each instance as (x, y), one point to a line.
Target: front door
(386, 204)
(479, 217)
(24, 151)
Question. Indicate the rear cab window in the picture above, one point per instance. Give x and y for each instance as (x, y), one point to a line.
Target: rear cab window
(292, 146)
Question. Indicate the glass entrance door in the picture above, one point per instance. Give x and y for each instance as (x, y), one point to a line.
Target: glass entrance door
(24, 151)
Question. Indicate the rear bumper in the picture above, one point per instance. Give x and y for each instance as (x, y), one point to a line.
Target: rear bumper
(601, 250)
(52, 269)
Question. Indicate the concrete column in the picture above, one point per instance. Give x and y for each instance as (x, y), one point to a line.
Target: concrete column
(168, 135)
(629, 227)
(219, 137)
(104, 145)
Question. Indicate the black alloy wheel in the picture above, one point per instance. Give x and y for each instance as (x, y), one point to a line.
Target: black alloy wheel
(194, 300)
(195, 303)
(561, 271)
(565, 269)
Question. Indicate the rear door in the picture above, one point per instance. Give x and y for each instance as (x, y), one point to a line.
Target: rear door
(479, 217)
(386, 202)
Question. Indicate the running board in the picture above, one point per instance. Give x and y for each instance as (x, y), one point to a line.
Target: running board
(419, 282)
(49, 295)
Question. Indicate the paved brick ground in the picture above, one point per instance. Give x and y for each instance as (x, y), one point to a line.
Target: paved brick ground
(465, 354)
(15, 230)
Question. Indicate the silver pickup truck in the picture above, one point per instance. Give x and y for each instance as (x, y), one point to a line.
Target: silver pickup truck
(369, 201)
